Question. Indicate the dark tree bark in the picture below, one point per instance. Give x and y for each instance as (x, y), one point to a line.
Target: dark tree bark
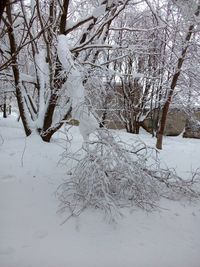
(4, 107)
(15, 69)
(2, 7)
(174, 83)
(63, 19)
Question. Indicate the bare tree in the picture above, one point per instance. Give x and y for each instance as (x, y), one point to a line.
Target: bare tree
(175, 79)
(46, 106)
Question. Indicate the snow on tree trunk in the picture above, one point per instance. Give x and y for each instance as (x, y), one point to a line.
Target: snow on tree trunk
(76, 91)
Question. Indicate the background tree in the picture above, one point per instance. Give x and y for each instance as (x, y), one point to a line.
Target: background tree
(127, 54)
(175, 77)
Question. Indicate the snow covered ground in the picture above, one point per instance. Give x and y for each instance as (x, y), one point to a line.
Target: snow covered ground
(31, 234)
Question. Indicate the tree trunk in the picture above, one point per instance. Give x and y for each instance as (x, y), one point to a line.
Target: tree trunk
(173, 85)
(10, 109)
(15, 69)
(46, 135)
(103, 120)
(2, 7)
(137, 127)
(4, 107)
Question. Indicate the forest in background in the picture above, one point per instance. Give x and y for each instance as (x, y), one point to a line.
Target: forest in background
(133, 57)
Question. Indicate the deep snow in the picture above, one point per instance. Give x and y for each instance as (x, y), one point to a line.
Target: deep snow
(31, 234)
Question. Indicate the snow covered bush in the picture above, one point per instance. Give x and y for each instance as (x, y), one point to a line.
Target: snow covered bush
(110, 174)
